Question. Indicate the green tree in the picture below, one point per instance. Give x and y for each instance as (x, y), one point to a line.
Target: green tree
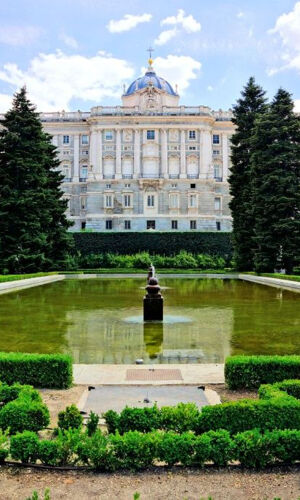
(33, 225)
(275, 167)
(250, 105)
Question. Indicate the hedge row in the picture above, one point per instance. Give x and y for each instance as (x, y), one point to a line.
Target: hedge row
(137, 451)
(163, 243)
(248, 372)
(277, 408)
(22, 409)
(40, 370)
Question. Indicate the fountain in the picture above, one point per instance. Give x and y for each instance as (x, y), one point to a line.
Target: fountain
(153, 300)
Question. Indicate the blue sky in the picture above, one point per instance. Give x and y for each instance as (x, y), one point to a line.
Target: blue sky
(73, 54)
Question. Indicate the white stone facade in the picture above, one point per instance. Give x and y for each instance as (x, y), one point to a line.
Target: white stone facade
(148, 164)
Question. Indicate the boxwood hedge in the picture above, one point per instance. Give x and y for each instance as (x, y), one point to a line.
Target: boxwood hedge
(163, 243)
(40, 370)
(249, 372)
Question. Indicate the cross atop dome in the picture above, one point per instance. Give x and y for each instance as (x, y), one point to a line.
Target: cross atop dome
(150, 60)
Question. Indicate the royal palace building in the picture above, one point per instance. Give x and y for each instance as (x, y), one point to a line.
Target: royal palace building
(150, 164)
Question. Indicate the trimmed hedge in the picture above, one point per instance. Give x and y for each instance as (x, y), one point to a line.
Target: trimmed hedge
(277, 408)
(163, 243)
(23, 409)
(137, 451)
(249, 372)
(53, 371)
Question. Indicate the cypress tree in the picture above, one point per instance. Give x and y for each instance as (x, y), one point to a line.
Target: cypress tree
(248, 107)
(33, 225)
(276, 186)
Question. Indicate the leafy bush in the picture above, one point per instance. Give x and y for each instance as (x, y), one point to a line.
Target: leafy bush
(35, 495)
(179, 418)
(139, 419)
(164, 243)
(68, 441)
(98, 452)
(39, 370)
(202, 450)
(70, 418)
(25, 447)
(134, 450)
(4, 445)
(24, 414)
(244, 372)
(92, 423)
(174, 448)
(112, 419)
(49, 452)
(221, 447)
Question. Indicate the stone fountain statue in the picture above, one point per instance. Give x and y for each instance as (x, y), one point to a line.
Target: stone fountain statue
(153, 300)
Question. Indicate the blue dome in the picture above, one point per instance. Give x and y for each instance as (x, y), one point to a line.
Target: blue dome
(150, 78)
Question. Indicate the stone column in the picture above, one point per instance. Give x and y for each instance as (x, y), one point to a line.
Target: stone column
(182, 155)
(93, 154)
(137, 154)
(76, 158)
(205, 154)
(118, 155)
(99, 159)
(225, 156)
(164, 154)
(55, 140)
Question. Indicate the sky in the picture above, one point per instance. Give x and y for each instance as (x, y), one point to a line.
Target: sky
(75, 54)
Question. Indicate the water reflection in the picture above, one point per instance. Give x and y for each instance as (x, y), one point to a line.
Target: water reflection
(89, 319)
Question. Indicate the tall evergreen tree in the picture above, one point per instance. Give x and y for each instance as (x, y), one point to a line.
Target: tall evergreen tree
(33, 225)
(276, 186)
(248, 107)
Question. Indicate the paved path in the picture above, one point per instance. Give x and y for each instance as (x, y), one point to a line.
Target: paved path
(293, 286)
(13, 286)
(193, 374)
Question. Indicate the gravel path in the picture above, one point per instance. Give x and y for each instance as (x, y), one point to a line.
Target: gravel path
(157, 484)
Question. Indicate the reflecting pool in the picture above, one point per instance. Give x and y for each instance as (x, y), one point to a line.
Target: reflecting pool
(100, 320)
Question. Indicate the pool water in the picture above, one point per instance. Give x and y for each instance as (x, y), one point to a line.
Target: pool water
(100, 320)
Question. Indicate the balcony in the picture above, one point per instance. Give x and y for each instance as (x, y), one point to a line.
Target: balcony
(67, 179)
(151, 176)
(218, 179)
(111, 176)
(192, 176)
(173, 176)
(82, 179)
(127, 176)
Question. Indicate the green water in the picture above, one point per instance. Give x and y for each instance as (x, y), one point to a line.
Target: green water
(99, 320)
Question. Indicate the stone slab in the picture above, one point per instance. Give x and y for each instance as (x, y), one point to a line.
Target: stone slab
(12, 286)
(293, 286)
(104, 398)
(193, 374)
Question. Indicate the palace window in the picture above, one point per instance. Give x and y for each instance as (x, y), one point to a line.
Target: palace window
(192, 134)
(83, 224)
(173, 200)
(83, 202)
(174, 186)
(84, 139)
(108, 186)
(66, 171)
(127, 200)
(150, 224)
(174, 224)
(66, 139)
(218, 172)
(218, 226)
(127, 185)
(192, 201)
(108, 135)
(127, 224)
(108, 201)
(217, 203)
(216, 152)
(150, 200)
(108, 224)
(150, 134)
(216, 139)
(83, 172)
(193, 224)
(192, 148)
(193, 186)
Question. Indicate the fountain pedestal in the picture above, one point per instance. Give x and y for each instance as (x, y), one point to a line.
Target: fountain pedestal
(153, 302)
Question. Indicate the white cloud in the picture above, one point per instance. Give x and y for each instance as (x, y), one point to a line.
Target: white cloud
(287, 28)
(240, 14)
(19, 35)
(5, 102)
(69, 41)
(178, 70)
(53, 80)
(297, 105)
(165, 36)
(127, 23)
(188, 23)
(210, 88)
(180, 22)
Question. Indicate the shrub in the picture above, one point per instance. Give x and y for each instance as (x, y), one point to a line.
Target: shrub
(163, 243)
(24, 447)
(39, 370)
(4, 445)
(179, 418)
(252, 449)
(221, 447)
(70, 418)
(285, 445)
(49, 452)
(173, 448)
(244, 372)
(134, 450)
(202, 450)
(112, 420)
(68, 441)
(99, 452)
(140, 419)
(92, 423)
(23, 414)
